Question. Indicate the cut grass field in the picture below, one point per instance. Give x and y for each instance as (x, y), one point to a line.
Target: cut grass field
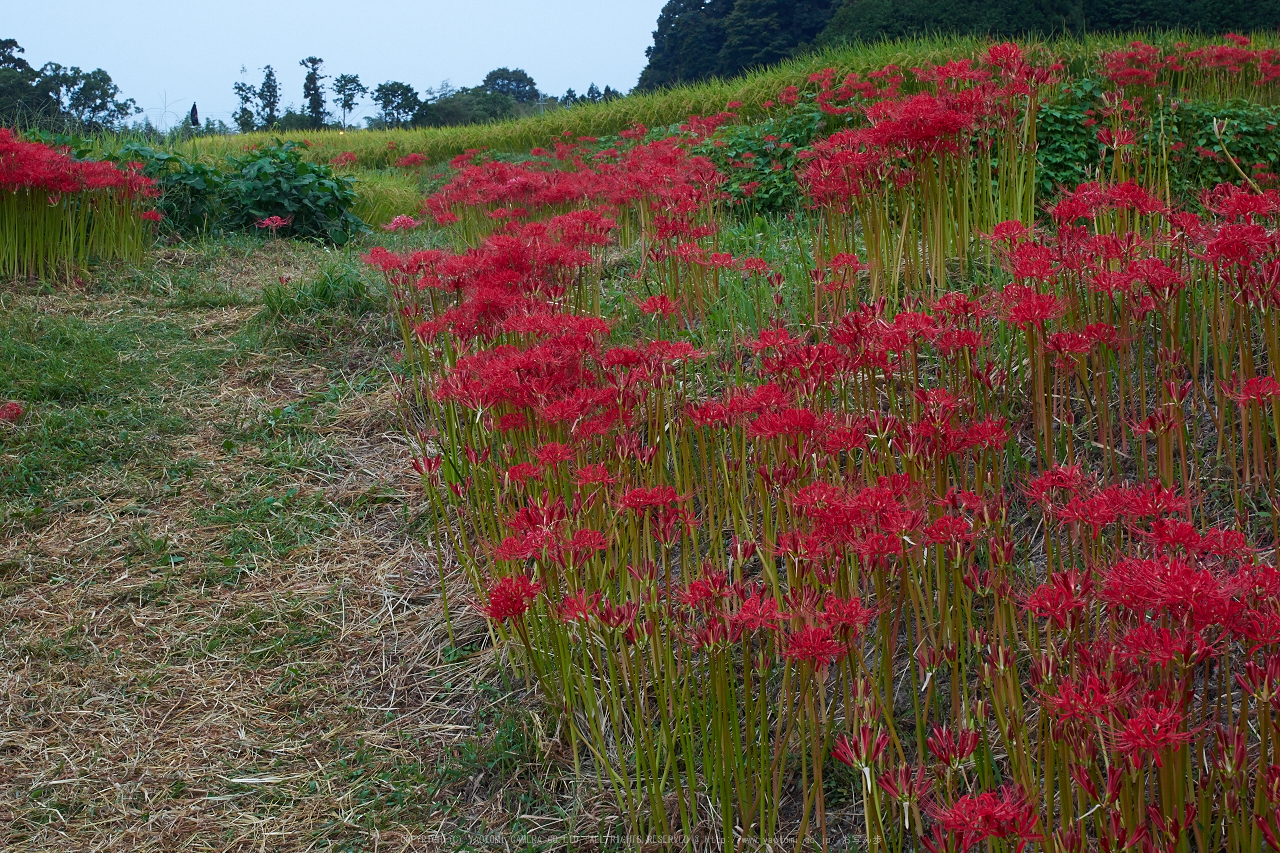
(220, 613)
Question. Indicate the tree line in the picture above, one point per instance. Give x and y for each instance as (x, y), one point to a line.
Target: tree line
(504, 93)
(698, 39)
(53, 95)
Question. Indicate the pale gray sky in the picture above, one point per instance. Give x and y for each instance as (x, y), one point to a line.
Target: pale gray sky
(165, 55)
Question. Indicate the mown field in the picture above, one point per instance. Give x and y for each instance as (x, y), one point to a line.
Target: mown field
(892, 466)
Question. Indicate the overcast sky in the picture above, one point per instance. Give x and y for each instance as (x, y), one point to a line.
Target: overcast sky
(165, 55)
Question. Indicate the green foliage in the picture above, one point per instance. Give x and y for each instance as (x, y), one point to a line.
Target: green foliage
(259, 105)
(760, 159)
(57, 97)
(696, 40)
(465, 106)
(383, 195)
(272, 180)
(1067, 146)
(1201, 159)
(871, 20)
(276, 181)
(1206, 16)
(320, 311)
(515, 84)
(347, 90)
(313, 90)
(191, 192)
(398, 102)
(95, 392)
(336, 289)
(1069, 154)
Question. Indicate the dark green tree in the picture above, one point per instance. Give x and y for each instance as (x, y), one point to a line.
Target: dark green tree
(686, 43)
(313, 90)
(398, 102)
(93, 100)
(347, 90)
(514, 83)
(464, 106)
(268, 111)
(762, 32)
(18, 95)
(1213, 16)
(248, 96)
(54, 94)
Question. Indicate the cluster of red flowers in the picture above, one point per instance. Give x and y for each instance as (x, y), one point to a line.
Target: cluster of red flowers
(1144, 65)
(980, 508)
(34, 167)
(662, 173)
(56, 211)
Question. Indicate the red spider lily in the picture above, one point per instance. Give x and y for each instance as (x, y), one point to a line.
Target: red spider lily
(579, 606)
(509, 597)
(952, 748)
(401, 223)
(906, 787)
(976, 817)
(1063, 599)
(756, 613)
(1258, 389)
(847, 617)
(1153, 730)
(594, 474)
(274, 223)
(642, 499)
(428, 466)
(618, 616)
(1262, 682)
(863, 750)
(1026, 307)
(661, 304)
(813, 644)
(707, 593)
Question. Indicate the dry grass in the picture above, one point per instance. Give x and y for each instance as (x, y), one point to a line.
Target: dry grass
(182, 670)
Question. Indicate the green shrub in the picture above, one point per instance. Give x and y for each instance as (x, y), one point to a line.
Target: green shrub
(275, 180)
(191, 196)
(760, 159)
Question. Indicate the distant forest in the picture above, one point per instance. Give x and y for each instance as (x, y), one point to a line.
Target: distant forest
(697, 39)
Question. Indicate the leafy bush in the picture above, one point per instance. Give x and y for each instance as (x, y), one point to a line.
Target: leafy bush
(275, 180)
(1066, 144)
(760, 159)
(1068, 149)
(191, 192)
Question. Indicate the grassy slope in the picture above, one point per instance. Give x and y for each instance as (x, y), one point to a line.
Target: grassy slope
(658, 109)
